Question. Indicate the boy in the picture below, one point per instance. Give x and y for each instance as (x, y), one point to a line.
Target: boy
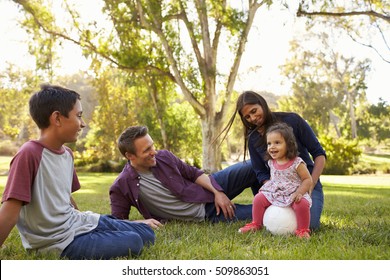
(37, 197)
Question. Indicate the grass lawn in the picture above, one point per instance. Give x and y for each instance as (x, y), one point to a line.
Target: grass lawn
(355, 226)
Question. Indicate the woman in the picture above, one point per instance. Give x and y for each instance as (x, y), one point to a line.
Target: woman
(257, 117)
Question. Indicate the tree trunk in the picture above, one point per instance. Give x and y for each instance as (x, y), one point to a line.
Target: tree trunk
(211, 150)
(352, 115)
(153, 91)
(334, 120)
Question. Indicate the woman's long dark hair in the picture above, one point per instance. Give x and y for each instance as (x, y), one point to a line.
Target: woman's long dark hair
(250, 97)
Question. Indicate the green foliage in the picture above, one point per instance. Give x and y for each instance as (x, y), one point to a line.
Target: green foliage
(342, 154)
(328, 87)
(375, 123)
(16, 86)
(125, 100)
(185, 135)
(116, 110)
(42, 45)
(175, 43)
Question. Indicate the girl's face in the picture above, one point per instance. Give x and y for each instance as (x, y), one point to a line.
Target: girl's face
(276, 146)
(253, 114)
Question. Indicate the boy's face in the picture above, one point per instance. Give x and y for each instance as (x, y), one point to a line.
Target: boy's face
(72, 126)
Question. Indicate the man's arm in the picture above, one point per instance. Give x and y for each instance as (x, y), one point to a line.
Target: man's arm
(9, 216)
(222, 202)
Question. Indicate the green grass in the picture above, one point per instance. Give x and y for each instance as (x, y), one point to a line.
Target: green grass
(355, 226)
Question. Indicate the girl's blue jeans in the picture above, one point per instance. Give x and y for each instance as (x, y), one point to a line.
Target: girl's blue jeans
(112, 238)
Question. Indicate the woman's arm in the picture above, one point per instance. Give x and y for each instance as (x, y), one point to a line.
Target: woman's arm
(319, 165)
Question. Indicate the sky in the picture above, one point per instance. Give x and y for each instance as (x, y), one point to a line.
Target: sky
(268, 46)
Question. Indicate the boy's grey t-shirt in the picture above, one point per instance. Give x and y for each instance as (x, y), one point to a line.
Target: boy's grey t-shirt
(44, 180)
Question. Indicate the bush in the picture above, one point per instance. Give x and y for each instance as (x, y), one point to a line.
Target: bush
(8, 148)
(363, 168)
(342, 155)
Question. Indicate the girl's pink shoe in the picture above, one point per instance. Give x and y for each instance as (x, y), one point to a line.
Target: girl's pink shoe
(303, 233)
(249, 227)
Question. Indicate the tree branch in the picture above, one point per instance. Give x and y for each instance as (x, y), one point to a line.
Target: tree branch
(168, 51)
(301, 12)
(86, 43)
(240, 50)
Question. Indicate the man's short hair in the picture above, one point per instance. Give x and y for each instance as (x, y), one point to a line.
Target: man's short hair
(127, 138)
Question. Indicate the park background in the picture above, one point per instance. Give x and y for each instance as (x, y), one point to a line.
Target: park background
(153, 63)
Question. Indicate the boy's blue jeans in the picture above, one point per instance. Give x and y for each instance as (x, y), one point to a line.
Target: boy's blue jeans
(112, 238)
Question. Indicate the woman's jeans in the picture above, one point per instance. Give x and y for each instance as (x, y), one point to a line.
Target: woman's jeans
(317, 197)
(112, 238)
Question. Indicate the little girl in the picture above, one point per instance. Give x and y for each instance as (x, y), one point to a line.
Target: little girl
(289, 184)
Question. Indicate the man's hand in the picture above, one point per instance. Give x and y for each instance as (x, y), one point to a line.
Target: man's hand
(222, 202)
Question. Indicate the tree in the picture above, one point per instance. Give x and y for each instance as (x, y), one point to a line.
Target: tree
(179, 40)
(16, 86)
(363, 20)
(374, 125)
(328, 83)
(110, 117)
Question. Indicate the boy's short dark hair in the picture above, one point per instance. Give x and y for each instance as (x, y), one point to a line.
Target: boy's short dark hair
(127, 138)
(50, 99)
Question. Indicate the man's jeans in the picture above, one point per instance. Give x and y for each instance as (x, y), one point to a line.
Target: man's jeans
(112, 238)
(234, 180)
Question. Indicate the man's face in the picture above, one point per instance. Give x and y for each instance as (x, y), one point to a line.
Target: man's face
(145, 156)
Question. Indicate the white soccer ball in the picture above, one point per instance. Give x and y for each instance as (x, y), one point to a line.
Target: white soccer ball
(280, 220)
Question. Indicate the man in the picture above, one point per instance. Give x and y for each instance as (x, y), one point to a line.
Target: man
(163, 187)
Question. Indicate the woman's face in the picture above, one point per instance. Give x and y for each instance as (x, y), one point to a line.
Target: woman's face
(253, 114)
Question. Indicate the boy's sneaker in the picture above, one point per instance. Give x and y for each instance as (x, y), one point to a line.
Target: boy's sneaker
(303, 233)
(249, 227)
